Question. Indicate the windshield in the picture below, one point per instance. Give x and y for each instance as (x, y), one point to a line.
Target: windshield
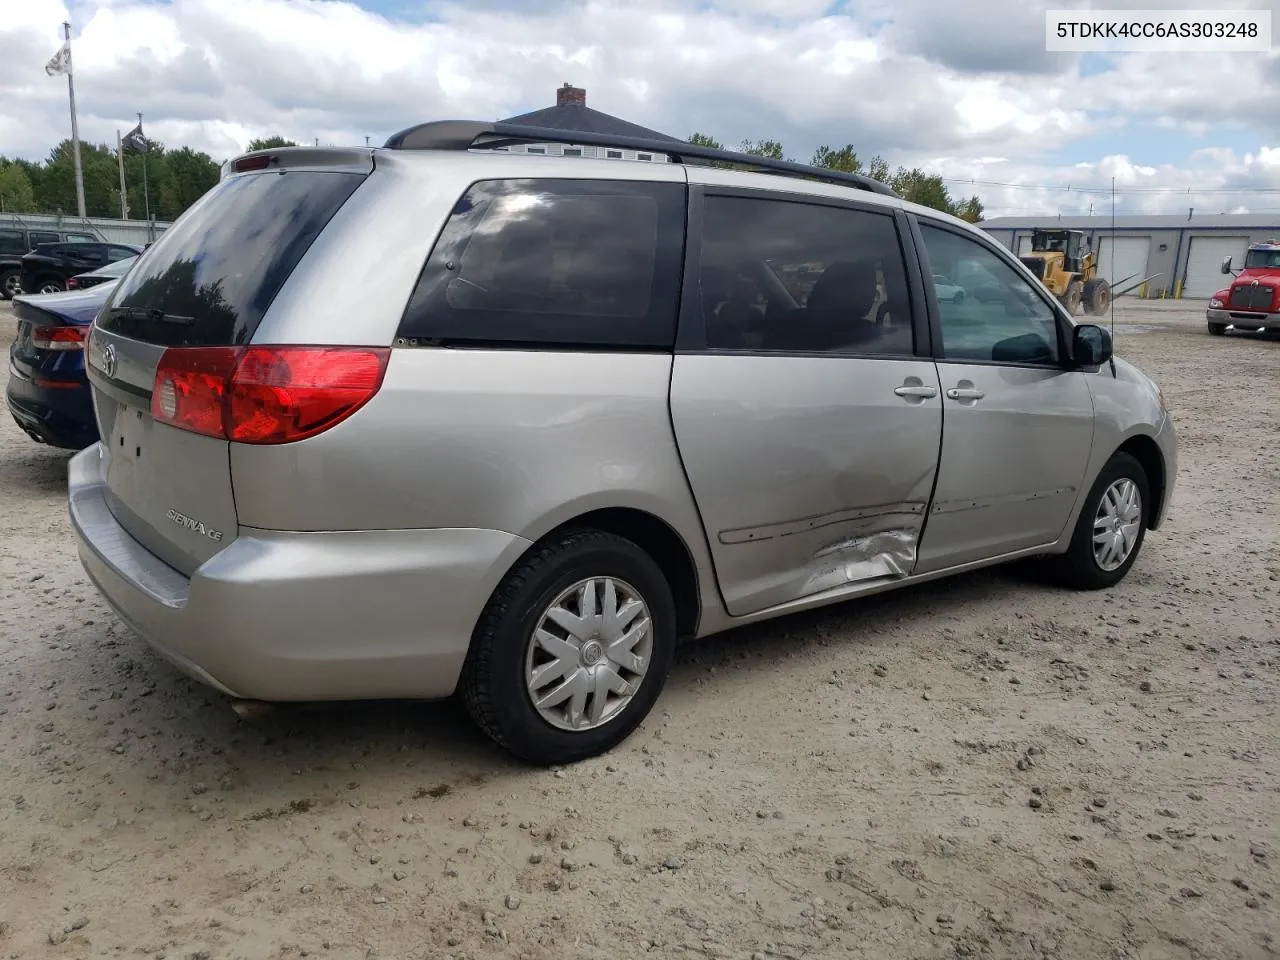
(1261, 259)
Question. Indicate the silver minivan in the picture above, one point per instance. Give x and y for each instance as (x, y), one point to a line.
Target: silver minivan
(440, 418)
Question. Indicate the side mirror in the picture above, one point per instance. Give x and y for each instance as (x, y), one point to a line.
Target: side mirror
(1091, 345)
(1226, 265)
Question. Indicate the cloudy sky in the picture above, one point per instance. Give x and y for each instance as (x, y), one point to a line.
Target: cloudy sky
(961, 87)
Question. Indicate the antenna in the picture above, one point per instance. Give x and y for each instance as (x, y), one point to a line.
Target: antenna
(1113, 257)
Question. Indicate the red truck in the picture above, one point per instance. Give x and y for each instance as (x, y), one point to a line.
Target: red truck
(1252, 302)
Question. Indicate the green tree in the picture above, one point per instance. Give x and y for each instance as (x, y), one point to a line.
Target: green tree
(272, 142)
(16, 192)
(845, 159)
(971, 210)
(702, 140)
(762, 148)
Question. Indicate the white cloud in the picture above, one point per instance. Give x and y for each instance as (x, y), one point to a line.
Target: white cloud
(913, 80)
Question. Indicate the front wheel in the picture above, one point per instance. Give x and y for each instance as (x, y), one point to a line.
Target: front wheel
(1217, 329)
(1073, 297)
(573, 649)
(1110, 530)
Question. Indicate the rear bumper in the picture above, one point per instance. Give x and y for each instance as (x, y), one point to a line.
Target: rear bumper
(300, 616)
(60, 417)
(1248, 320)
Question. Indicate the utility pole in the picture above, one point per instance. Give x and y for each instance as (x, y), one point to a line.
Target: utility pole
(124, 195)
(146, 187)
(75, 129)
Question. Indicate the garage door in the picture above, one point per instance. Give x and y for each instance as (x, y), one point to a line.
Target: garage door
(1204, 264)
(1130, 255)
(1024, 244)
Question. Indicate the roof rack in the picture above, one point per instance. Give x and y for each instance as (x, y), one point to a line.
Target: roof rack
(477, 134)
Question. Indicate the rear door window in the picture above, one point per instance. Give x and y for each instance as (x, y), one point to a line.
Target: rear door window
(210, 278)
(587, 263)
(38, 237)
(119, 253)
(800, 277)
(12, 243)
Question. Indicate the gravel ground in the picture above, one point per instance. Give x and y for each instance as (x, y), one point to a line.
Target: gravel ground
(978, 768)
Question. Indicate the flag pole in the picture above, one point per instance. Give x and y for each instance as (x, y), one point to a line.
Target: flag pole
(75, 130)
(124, 193)
(146, 188)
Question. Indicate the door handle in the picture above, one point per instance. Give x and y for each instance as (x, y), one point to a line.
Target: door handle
(965, 393)
(922, 392)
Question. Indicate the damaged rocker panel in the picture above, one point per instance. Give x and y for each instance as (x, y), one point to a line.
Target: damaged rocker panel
(874, 556)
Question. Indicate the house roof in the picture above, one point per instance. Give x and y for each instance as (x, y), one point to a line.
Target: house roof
(571, 116)
(1102, 222)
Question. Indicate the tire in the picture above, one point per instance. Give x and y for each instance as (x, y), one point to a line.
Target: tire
(958, 298)
(50, 285)
(1218, 329)
(495, 682)
(10, 283)
(1097, 296)
(1080, 567)
(1073, 297)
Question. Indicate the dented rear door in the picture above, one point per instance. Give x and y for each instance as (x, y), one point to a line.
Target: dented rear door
(809, 419)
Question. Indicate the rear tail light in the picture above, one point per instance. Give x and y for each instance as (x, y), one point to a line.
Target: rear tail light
(58, 338)
(264, 395)
(72, 283)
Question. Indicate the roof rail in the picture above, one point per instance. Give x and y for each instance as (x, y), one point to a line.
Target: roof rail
(473, 134)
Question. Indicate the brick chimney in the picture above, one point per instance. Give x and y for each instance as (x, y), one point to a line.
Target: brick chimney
(570, 94)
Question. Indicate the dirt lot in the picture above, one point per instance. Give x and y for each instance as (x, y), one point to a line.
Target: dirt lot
(980, 768)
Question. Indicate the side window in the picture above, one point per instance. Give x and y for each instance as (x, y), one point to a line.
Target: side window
(790, 276)
(12, 243)
(119, 253)
(988, 311)
(38, 237)
(81, 236)
(555, 262)
(86, 253)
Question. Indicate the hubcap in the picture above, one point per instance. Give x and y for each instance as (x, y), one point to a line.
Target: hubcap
(50, 288)
(1117, 524)
(12, 286)
(589, 654)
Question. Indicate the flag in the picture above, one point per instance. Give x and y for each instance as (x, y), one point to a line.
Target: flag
(134, 140)
(60, 62)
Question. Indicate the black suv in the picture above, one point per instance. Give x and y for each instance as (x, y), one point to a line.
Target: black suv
(16, 241)
(48, 267)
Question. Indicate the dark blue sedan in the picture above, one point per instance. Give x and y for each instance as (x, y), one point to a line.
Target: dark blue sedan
(48, 392)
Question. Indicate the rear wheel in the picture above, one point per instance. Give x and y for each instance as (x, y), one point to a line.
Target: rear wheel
(1111, 529)
(10, 283)
(573, 649)
(1097, 296)
(1217, 329)
(50, 285)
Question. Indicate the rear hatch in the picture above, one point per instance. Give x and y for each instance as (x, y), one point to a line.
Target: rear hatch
(190, 303)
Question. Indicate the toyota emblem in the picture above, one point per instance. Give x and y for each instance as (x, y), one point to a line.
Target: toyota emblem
(109, 360)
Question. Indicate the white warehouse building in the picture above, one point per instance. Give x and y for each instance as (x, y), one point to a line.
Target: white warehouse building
(1181, 254)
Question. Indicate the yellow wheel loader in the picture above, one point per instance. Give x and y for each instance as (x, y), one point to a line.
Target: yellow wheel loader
(1063, 262)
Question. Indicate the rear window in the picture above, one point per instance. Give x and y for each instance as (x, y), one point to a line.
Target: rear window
(591, 263)
(209, 279)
